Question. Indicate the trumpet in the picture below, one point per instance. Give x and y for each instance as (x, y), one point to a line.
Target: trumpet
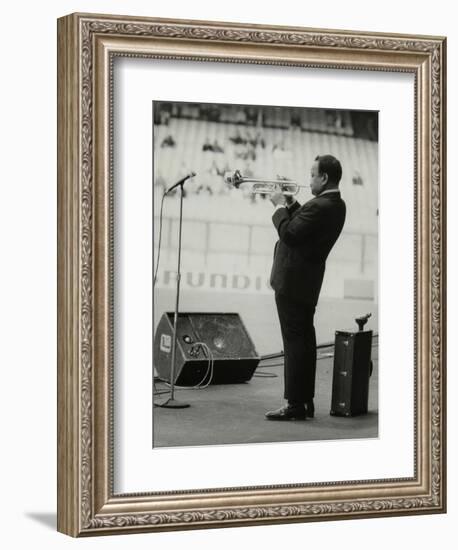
(261, 186)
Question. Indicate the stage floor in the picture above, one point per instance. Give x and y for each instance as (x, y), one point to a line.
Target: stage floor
(234, 413)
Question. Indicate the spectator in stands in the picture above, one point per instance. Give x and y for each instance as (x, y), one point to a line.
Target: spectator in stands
(217, 147)
(207, 146)
(214, 147)
(357, 179)
(246, 153)
(168, 141)
(307, 234)
(205, 183)
(256, 140)
(260, 140)
(238, 139)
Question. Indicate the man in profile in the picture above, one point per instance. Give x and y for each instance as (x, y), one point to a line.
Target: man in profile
(307, 234)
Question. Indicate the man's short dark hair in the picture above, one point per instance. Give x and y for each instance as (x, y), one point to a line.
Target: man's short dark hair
(327, 164)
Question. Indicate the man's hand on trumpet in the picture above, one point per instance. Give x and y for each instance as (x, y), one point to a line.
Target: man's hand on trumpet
(278, 198)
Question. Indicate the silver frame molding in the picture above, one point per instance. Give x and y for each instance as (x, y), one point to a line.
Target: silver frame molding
(87, 45)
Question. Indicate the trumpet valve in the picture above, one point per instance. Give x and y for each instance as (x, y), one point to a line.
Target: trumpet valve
(288, 188)
(284, 187)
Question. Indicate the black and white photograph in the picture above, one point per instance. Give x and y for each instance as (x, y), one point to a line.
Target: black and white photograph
(228, 233)
(266, 267)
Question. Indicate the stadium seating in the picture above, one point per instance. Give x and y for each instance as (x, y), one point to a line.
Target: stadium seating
(225, 223)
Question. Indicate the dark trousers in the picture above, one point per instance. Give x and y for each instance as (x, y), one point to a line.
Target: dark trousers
(299, 345)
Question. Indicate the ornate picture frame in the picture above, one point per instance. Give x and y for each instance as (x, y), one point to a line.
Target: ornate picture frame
(87, 46)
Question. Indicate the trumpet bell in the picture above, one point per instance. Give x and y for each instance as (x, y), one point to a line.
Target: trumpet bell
(234, 178)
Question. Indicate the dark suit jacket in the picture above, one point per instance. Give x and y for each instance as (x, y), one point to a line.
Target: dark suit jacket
(307, 234)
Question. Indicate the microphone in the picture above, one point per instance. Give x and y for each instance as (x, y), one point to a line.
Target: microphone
(180, 182)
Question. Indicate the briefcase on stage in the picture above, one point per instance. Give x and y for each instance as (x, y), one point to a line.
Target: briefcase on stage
(352, 370)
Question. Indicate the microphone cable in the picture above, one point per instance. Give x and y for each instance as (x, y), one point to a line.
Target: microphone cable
(210, 367)
(200, 385)
(264, 374)
(160, 237)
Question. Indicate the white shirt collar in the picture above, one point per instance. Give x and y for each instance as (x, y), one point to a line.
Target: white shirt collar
(329, 191)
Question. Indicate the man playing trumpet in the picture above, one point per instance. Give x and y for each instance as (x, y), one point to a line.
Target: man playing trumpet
(307, 234)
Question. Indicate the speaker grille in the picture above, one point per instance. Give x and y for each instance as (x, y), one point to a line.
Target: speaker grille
(224, 334)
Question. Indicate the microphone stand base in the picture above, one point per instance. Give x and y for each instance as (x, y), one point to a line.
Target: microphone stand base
(172, 404)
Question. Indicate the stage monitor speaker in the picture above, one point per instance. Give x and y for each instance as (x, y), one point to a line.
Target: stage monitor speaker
(352, 370)
(234, 355)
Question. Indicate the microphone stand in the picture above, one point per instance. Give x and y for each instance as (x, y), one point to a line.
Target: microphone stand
(171, 402)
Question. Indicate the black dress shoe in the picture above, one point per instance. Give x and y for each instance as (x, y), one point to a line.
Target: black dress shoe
(287, 413)
(310, 409)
